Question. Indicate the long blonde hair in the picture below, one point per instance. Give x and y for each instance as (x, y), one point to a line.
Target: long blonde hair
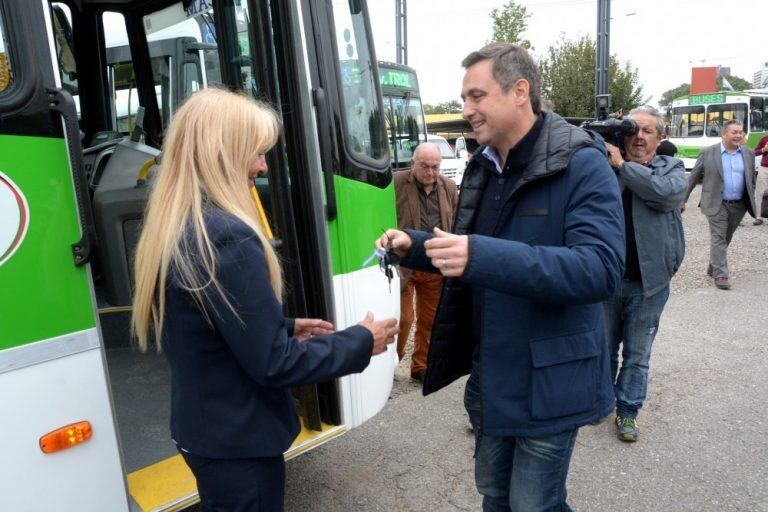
(212, 142)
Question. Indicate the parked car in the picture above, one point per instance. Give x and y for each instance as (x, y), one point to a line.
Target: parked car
(452, 165)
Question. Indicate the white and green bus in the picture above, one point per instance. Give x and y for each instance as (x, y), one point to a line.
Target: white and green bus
(696, 121)
(84, 414)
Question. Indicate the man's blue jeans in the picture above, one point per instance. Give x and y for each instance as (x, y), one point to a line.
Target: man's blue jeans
(631, 322)
(520, 474)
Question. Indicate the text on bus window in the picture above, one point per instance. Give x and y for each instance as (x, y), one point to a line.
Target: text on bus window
(361, 109)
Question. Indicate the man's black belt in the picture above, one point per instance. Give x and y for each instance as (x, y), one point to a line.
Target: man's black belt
(732, 201)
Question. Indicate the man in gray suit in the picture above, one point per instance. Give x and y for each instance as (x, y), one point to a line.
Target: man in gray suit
(727, 174)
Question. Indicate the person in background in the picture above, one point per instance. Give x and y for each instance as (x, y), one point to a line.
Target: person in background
(761, 183)
(666, 148)
(653, 186)
(425, 200)
(537, 246)
(727, 173)
(208, 291)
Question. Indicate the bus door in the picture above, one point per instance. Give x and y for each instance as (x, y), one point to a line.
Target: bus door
(52, 372)
(357, 178)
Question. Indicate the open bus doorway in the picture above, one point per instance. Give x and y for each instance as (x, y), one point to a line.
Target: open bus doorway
(326, 198)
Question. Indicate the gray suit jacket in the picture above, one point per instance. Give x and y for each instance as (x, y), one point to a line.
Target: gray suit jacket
(708, 170)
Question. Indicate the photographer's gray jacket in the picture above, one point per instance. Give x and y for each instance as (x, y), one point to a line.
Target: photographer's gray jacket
(658, 191)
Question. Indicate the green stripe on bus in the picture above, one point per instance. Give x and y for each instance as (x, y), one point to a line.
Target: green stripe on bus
(688, 151)
(754, 138)
(363, 212)
(43, 294)
(693, 151)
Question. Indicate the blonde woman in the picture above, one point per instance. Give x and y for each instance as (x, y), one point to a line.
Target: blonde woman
(208, 291)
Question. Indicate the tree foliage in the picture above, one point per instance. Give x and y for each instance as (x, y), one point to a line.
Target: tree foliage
(568, 79)
(446, 107)
(738, 83)
(668, 96)
(509, 23)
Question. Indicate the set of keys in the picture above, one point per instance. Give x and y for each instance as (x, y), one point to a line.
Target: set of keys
(388, 259)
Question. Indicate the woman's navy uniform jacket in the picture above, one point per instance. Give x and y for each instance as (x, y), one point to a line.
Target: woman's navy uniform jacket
(556, 253)
(230, 376)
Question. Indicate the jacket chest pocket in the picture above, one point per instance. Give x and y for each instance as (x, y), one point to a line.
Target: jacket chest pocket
(531, 225)
(564, 375)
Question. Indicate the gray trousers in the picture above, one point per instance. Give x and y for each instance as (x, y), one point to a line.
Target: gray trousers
(722, 225)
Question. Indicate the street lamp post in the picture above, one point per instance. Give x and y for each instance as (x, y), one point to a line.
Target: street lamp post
(401, 28)
(602, 60)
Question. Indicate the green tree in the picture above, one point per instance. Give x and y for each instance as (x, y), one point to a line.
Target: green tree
(568, 79)
(668, 96)
(446, 107)
(509, 23)
(738, 83)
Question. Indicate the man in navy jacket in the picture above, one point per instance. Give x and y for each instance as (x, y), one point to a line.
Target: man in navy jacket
(538, 244)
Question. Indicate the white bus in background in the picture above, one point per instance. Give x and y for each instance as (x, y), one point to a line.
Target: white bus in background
(696, 121)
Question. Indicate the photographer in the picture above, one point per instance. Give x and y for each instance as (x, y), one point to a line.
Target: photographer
(653, 187)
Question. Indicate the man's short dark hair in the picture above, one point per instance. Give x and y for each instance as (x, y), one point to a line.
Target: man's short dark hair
(509, 63)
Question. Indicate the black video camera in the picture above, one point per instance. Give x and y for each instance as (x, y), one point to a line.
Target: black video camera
(613, 130)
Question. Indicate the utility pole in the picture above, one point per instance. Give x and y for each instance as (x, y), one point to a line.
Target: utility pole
(602, 60)
(401, 22)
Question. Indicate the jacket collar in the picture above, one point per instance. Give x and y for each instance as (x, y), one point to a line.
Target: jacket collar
(551, 154)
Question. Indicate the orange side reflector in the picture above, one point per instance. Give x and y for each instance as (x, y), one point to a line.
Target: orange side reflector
(66, 437)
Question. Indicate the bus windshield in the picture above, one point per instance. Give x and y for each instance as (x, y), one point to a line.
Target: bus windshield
(718, 115)
(687, 121)
(406, 127)
(705, 120)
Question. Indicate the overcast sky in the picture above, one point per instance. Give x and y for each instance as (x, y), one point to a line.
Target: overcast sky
(663, 39)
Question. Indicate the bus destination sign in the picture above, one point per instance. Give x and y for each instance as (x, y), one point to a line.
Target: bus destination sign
(703, 99)
(396, 78)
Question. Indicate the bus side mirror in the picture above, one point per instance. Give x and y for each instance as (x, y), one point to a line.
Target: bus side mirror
(194, 47)
(461, 147)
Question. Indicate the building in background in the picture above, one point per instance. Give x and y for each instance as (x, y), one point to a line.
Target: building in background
(760, 79)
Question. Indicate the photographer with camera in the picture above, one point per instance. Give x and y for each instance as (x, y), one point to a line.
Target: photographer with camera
(652, 188)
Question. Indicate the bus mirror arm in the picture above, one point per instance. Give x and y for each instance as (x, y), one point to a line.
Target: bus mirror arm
(325, 134)
(61, 102)
(194, 47)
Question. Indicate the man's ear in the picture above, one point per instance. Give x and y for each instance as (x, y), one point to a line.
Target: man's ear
(522, 91)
